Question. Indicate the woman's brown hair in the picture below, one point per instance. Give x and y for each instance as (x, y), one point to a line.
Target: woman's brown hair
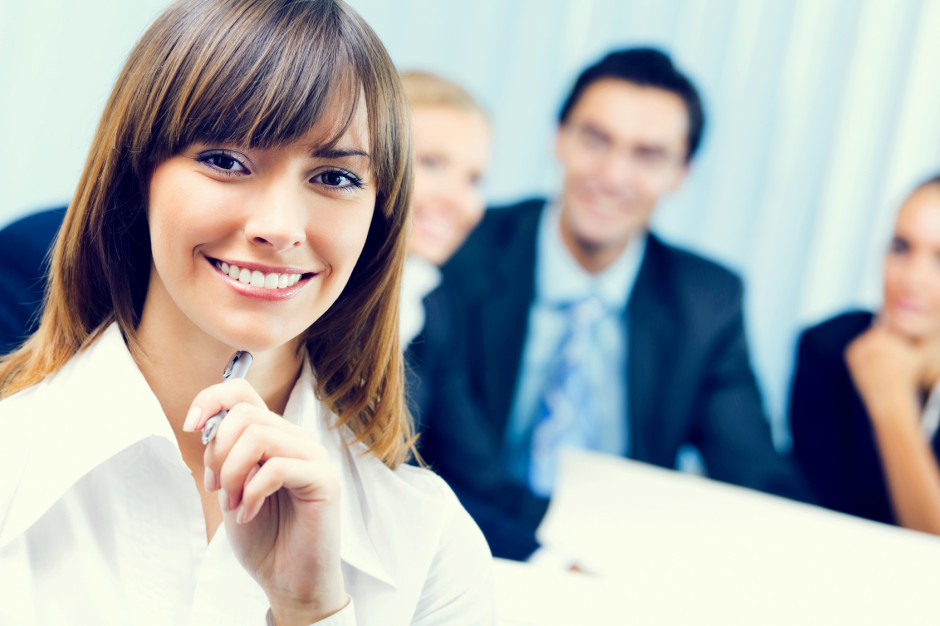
(257, 73)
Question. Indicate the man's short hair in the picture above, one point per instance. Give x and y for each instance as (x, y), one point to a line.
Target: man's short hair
(645, 67)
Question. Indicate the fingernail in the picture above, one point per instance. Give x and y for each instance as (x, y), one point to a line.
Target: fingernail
(192, 418)
(210, 480)
(242, 513)
(224, 501)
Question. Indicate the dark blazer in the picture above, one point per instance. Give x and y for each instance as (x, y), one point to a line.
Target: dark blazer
(24, 248)
(833, 440)
(689, 376)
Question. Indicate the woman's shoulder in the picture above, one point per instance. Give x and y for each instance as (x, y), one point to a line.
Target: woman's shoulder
(432, 545)
(419, 483)
(834, 334)
(433, 487)
(460, 586)
(420, 498)
(29, 441)
(25, 412)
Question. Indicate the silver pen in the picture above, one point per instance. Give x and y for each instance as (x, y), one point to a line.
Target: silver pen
(237, 368)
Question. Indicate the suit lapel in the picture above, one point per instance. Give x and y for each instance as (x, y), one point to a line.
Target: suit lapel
(652, 324)
(504, 311)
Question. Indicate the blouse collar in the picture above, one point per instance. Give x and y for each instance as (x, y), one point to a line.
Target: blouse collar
(99, 404)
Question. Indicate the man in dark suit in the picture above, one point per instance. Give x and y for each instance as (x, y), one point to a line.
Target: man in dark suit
(662, 359)
(24, 248)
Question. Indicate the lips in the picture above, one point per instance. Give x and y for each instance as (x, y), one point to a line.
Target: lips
(903, 305)
(434, 228)
(257, 278)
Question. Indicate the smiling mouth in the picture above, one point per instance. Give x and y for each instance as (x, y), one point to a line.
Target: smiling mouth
(271, 280)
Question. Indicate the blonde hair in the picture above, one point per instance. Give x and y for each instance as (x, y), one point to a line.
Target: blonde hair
(423, 89)
(258, 73)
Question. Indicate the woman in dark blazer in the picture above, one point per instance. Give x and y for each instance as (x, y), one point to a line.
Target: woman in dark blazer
(865, 399)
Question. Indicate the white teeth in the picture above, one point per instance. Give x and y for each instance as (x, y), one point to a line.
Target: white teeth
(258, 279)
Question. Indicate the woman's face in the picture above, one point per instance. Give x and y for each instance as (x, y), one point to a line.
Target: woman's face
(451, 149)
(912, 267)
(252, 246)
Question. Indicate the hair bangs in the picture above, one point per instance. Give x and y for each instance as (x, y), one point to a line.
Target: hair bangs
(258, 79)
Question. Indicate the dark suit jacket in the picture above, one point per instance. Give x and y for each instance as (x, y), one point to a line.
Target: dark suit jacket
(833, 440)
(24, 246)
(689, 379)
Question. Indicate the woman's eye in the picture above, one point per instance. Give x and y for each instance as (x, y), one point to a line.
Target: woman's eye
(225, 162)
(430, 161)
(338, 179)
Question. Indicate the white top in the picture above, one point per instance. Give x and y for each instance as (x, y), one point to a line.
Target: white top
(419, 278)
(930, 417)
(101, 522)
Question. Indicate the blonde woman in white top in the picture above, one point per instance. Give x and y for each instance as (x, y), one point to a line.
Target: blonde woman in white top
(451, 146)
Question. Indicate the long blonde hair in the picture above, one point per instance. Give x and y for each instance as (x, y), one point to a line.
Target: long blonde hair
(258, 73)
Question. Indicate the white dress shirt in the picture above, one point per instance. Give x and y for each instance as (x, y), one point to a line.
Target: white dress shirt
(101, 521)
(559, 279)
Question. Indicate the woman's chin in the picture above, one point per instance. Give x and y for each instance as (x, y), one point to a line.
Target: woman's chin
(435, 254)
(914, 328)
(257, 342)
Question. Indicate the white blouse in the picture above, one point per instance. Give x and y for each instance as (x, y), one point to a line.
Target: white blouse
(419, 278)
(101, 522)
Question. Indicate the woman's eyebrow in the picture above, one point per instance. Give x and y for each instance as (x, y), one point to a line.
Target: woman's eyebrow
(337, 153)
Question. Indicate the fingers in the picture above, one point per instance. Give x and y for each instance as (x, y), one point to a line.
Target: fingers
(309, 480)
(257, 452)
(218, 397)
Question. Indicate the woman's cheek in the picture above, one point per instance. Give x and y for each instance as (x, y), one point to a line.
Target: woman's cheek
(341, 241)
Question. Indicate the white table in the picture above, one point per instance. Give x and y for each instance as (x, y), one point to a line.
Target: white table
(671, 548)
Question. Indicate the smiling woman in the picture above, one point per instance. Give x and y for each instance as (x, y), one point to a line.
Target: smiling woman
(865, 403)
(451, 142)
(277, 214)
(247, 189)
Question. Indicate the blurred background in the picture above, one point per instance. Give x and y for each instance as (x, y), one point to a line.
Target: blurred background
(821, 116)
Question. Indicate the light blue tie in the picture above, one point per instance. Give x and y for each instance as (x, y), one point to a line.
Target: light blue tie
(565, 413)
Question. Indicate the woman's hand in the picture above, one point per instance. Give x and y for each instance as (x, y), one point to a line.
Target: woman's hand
(930, 362)
(280, 498)
(886, 370)
(889, 371)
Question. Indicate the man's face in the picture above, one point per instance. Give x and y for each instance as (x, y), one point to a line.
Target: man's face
(622, 147)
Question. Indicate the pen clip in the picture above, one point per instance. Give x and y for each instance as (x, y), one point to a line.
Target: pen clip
(236, 368)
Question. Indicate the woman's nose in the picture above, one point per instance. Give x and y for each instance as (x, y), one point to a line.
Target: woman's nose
(278, 221)
(458, 195)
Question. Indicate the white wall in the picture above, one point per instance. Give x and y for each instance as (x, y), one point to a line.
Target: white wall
(822, 114)
(58, 62)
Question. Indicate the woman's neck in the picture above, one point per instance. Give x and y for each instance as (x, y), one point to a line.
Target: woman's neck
(177, 366)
